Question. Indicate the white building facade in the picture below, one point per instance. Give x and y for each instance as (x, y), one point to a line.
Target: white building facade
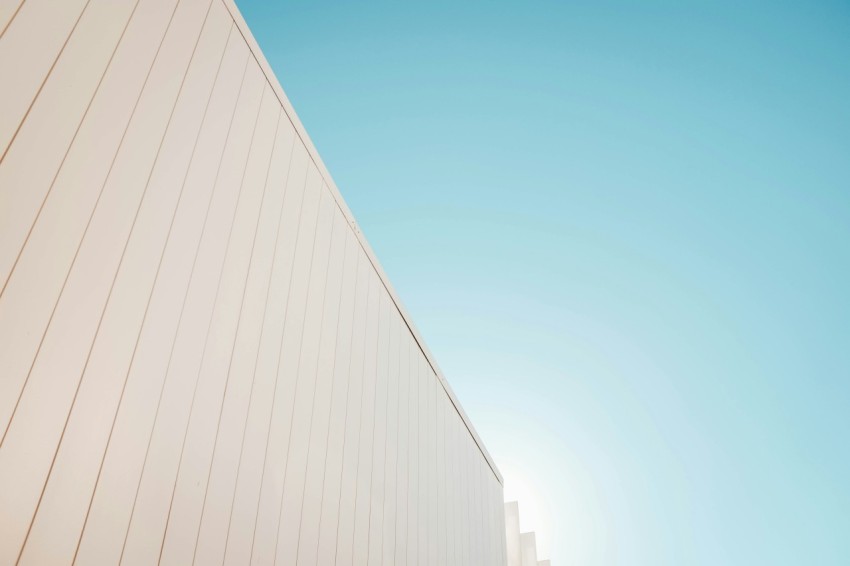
(201, 360)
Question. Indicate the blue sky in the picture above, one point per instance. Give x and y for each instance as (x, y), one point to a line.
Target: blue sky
(623, 228)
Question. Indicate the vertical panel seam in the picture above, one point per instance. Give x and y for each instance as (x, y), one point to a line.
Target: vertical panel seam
(229, 4)
(41, 207)
(109, 295)
(345, 437)
(12, 19)
(331, 377)
(374, 412)
(185, 296)
(44, 81)
(144, 318)
(333, 387)
(298, 366)
(262, 323)
(206, 340)
(283, 334)
(274, 391)
(359, 425)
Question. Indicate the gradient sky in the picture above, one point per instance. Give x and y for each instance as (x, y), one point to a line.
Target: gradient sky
(623, 229)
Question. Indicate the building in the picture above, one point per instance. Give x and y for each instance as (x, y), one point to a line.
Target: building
(521, 547)
(201, 360)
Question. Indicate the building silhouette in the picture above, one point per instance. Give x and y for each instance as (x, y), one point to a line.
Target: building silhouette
(201, 359)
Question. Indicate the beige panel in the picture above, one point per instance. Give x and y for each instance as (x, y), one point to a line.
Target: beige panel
(122, 466)
(233, 222)
(463, 492)
(477, 516)
(483, 496)
(448, 480)
(476, 520)
(528, 546)
(41, 413)
(426, 463)
(327, 249)
(413, 506)
(491, 507)
(433, 464)
(403, 444)
(338, 449)
(249, 389)
(156, 476)
(75, 320)
(329, 403)
(422, 541)
(376, 494)
(30, 444)
(253, 521)
(449, 471)
(453, 541)
(337, 524)
(390, 500)
(202, 351)
(442, 489)
(262, 541)
(481, 517)
(267, 391)
(239, 501)
(67, 494)
(362, 504)
(450, 483)
(455, 538)
(487, 515)
(41, 30)
(8, 10)
(355, 453)
(220, 352)
(52, 122)
(29, 295)
(500, 523)
(316, 366)
(455, 520)
(460, 483)
(466, 495)
(472, 549)
(481, 488)
(469, 457)
(27, 301)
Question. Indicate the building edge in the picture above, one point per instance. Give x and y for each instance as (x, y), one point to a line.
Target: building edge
(258, 55)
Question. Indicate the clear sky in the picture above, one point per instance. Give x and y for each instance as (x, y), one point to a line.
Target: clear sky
(623, 229)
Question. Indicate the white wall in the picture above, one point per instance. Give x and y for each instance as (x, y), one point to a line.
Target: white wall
(528, 544)
(200, 358)
(514, 549)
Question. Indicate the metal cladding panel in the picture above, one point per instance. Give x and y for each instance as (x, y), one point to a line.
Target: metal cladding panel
(513, 546)
(201, 360)
(528, 544)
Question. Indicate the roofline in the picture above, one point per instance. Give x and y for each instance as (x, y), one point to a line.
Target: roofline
(317, 160)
